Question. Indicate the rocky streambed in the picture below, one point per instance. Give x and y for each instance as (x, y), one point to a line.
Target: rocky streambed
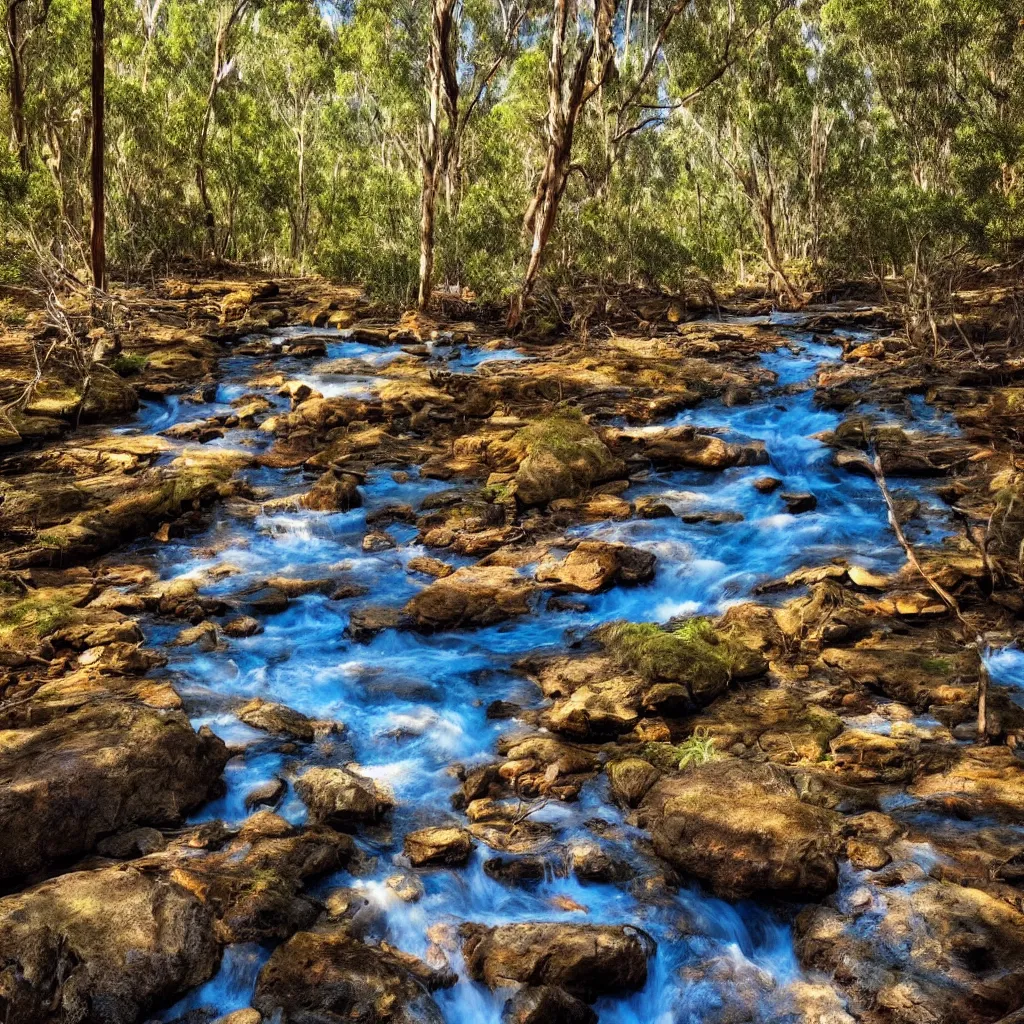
(403, 673)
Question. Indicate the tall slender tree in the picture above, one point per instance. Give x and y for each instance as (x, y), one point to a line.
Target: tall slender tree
(443, 91)
(567, 96)
(17, 81)
(97, 245)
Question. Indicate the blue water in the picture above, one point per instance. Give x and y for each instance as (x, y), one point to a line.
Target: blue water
(415, 705)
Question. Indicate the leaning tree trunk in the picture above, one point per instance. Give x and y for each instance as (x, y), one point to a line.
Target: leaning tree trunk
(564, 109)
(17, 85)
(441, 70)
(97, 242)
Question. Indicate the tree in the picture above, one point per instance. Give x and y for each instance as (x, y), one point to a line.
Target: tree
(443, 89)
(97, 247)
(567, 97)
(17, 84)
(223, 64)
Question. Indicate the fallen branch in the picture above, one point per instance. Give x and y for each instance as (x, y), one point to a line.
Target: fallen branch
(944, 595)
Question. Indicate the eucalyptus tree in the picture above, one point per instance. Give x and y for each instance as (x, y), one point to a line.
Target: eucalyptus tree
(97, 241)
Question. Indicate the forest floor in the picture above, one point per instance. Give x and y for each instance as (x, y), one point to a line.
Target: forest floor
(808, 746)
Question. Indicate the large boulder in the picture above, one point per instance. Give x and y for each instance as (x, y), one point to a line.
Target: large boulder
(587, 961)
(473, 597)
(644, 670)
(107, 396)
(697, 656)
(253, 885)
(340, 797)
(101, 947)
(978, 782)
(332, 978)
(89, 755)
(560, 457)
(544, 1004)
(907, 670)
(595, 565)
(740, 828)
(938, 953)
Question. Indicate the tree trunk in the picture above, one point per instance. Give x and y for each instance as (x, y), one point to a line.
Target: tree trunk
(97, 242)
(220, 67)
(209, 221)
(564, 109)
(441, 80)
(17, 85)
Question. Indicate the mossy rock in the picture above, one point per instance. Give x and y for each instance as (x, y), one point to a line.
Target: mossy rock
(562, 457)
(695, 655)
(108, 397)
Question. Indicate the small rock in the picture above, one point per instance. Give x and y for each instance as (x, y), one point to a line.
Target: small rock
(138, 842)
(203, 636)
(379, 540)
(596, 565)
(630, 779)
(651, 508)
(268, 794)
(242, 626)
(282, 720)
(366, 622)
(797, 503)
(408, 888)
(265, 600)
(767, 484)
(430, 566)
(438, 846)
(333, 492)
(720, 518)
(545, 1004)
(338, 797)
(587, 961)
(246, 1016)
(592, 864)
(866, 856)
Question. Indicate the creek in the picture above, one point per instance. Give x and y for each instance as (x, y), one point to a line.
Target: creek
(415, 705)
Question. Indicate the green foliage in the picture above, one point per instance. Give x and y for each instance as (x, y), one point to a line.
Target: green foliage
(41, 616)
(695, 750)
(129, 364)
(11, 315)
(841, 137)
(562, 434)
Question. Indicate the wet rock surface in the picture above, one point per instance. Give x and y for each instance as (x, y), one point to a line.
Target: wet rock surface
(333, 977)
(613, 629)
(89, 755)
(587, 961)
(743, 830)
(66, 944)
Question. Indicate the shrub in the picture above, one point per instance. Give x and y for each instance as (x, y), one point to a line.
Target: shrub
(129, 364)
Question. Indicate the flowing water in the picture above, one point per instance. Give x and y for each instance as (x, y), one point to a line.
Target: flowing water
(415, 705)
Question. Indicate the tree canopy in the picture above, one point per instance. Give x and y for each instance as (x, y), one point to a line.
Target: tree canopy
(563, 141)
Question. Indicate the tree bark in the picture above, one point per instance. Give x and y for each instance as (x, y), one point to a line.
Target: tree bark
(97, 242)
(564, 109)
(17, 84)
(220, 49)
(442, 90)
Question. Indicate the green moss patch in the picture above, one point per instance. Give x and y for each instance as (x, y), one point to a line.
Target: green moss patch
(693, 652)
